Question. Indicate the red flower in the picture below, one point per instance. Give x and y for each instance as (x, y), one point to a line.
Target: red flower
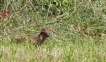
(4, 14)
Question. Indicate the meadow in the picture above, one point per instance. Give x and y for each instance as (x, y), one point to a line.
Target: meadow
(78, 30)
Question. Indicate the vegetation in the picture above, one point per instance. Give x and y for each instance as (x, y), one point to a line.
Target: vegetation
(78, 30)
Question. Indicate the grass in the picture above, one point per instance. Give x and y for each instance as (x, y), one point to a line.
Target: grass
(74, 38)
(59, 52)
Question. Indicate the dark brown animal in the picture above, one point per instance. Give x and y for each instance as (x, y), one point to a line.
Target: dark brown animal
(4, 14)
(45, 33)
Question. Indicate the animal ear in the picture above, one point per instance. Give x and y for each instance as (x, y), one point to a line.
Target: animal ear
(43, 29)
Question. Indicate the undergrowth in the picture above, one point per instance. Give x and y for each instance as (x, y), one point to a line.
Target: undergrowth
(78, 30)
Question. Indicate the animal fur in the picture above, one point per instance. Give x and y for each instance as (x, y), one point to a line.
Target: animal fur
(45, 33)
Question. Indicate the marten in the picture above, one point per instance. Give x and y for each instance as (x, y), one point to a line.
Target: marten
(4, 14)
(44, 34)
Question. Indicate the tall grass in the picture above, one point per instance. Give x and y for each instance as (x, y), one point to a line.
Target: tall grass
(77, 31)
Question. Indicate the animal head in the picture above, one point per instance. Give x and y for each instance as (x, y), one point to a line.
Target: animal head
(46, 32)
